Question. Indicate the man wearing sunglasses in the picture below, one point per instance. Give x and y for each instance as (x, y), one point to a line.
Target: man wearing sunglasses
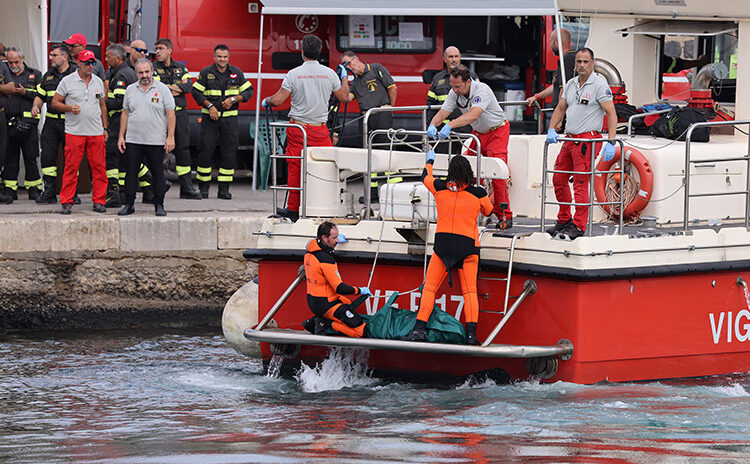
(138, 50)
(479, 109)
(77, 43)
(81, 97)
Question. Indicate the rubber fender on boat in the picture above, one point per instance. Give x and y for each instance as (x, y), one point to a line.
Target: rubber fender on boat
(241, 313)
(646, 174)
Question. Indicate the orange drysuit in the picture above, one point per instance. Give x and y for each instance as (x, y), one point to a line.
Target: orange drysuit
(325, 291)
(456, 241)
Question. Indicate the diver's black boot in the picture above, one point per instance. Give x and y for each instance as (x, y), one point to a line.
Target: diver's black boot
(419, 334)
(471, 333)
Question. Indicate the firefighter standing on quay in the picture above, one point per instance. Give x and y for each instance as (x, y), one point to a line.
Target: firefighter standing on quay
(53, 131)
(23, 136)
(219, 90)
(121, 77)
(177, 78)
(310, 86)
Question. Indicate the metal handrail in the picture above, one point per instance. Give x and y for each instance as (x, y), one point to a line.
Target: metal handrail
(689, 162)
(303, 167)
(284, 296)
(643, 115)
(592, 198)
(403, 133)
(529, 288)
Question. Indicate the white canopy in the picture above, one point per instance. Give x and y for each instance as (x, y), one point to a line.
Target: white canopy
(411, 8)
(24, 24)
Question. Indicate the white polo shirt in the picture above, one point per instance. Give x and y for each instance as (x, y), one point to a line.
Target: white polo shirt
(585, 112)
(147, 117)
(75, 92)
(311, 85)
(480, 95)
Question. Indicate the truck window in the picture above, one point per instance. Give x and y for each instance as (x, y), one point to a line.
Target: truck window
(579, 30)
(70, 16)
(391, 34)
(725, 51)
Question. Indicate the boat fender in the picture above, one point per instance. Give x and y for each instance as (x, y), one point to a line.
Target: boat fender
(241, 313)
(645, 173)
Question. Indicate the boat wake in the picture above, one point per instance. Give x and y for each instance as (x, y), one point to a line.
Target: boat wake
(344, 367)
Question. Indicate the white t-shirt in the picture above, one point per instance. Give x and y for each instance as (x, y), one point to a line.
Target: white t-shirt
(75, 92)
(585, 112)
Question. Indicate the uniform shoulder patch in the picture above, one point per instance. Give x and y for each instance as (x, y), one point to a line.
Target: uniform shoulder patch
(210, 76)
(477, 99)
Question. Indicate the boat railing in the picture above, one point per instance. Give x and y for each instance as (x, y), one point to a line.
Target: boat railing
(398, 137)
(303, 168)
(592, 173)
(689, 163)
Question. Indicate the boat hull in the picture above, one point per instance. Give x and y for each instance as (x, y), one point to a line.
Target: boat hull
(622, 329)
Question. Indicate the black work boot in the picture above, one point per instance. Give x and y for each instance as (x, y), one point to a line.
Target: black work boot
(204, 188)
(126, 210)
(148, 195)
(224, 191)
(48, 195)
(5, 199)
(159, 210)
(9, 192)
(112, 197)
(33, 192)
(471, 333)
(186, 188)
(419, 334)
(558, 227)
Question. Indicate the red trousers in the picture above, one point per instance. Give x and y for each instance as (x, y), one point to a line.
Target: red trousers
(75, 147)
(436, 274)
(317, 136)
(575, 157)
(495, 145)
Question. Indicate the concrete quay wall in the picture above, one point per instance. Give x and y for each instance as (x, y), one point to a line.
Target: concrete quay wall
(105, 271)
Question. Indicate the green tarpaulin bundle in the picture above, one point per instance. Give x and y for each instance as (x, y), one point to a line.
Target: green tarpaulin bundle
(392, 323)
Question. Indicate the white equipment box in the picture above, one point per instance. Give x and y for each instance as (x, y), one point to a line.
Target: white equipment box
(407, 200)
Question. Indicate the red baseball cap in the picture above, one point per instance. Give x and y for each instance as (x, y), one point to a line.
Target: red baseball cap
(76, 39)
(86, 55)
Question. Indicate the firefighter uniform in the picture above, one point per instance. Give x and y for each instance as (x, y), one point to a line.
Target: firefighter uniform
(215, 87)
(23, 136)
(4, 79)
(53, 131)
(456, 244)
(176, 73)
(438, 93)
(120, 78)
(371, 91)
(326, 290)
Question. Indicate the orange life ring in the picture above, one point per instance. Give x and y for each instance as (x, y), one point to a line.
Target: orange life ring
(645, 173)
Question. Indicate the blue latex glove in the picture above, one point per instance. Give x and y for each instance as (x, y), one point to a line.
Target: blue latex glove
(341, 71)
(365, 291)
(432, 132)
(445, 132)
(429, 156)
(552, 136)
(342, 238)
(608, 150)
(265, 103)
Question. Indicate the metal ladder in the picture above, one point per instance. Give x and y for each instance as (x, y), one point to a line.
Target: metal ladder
(303, 166)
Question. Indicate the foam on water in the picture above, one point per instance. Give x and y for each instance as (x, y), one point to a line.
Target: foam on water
(734, 390)
(342, 368)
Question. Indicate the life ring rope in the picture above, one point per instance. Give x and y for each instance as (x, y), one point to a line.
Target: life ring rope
(643, 188)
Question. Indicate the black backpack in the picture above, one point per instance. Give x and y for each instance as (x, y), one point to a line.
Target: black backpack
(675, 123)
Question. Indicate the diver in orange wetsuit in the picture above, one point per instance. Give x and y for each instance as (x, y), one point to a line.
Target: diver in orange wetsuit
(456, 241)
(325, 289)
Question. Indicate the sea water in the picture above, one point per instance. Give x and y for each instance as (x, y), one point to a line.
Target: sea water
(185, 396)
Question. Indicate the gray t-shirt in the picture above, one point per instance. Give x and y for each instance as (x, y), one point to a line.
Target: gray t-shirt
(75, 92)
(311, 85)
(480, 95)
(147, 118)
(585, 112)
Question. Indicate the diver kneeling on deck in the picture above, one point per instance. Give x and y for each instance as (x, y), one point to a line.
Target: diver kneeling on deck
(325, 289)
(456, 241)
